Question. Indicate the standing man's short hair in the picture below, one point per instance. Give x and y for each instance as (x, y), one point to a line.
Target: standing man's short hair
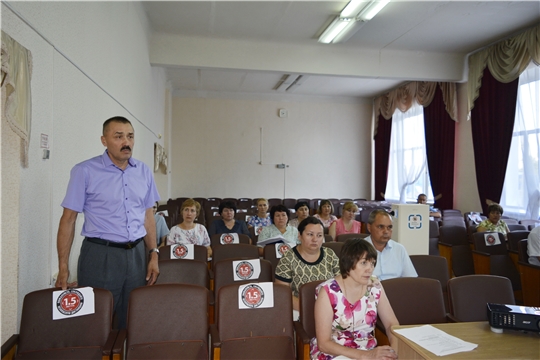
(119, 119)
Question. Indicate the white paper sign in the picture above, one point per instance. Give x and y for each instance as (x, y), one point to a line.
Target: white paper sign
(231, 238)
(72, 302)
(246, 269)
(256, 295)
(163, 212)
(183, 251)
(258, 230)
(492, 239)
(281, 249)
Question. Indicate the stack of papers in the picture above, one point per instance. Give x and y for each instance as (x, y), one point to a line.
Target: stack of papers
(436, 341)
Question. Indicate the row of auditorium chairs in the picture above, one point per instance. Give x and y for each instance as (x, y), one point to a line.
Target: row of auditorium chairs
(158, 326)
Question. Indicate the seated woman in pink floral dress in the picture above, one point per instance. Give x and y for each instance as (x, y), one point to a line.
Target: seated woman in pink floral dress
(347, 306)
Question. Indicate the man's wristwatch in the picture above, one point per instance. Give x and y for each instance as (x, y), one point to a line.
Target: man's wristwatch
(153, 250)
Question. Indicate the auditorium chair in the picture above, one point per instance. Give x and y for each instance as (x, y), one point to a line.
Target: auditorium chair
(82, 337)
(345, 237)
(305, 326)
(167, 321)
(415, 301)
(200, 252)
(495, 260)
(270, 255)
(335, 246)
(433, 267)
(530, 277)
(454, 246)
(433, 237)
(224, 273)
(234, 251)
(468, 296)
(254, 333)
(516, 227)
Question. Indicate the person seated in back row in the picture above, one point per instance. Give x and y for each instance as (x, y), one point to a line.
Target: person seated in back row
(161, 227)
(227, 223)
(433, 213)
(188, 231)
(346, 224)
(302, 212)
(393, 261)
(324, 213)
(280, 229)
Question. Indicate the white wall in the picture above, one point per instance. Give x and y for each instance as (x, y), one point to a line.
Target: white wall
(215, 147)
(109, 42)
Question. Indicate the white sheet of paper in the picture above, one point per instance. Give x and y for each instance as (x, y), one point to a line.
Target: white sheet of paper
(164, 212)
(276, 239)
(256, 295)
(246, 269)
(492, 239)
(183, 251)
(72, 302)
(436, 341)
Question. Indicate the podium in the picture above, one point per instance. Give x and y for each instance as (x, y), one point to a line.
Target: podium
(411, 227)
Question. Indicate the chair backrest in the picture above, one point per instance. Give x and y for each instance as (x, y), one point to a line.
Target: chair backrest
(200, 253)
(416, 300)
(453, 235)
(306, 298)
(234, 251)
(469, 295)
(454, 221)
(180, 271)
(327, 237)
(165, 319)
(216, 239)
(516, 227)
(523, 255)
(345, 237)
(530, 222)
(269, 253)
(433, 229)
(224, 273)
(514, 237)
(480, 243)
(431, 267)
(233, 322)
(83, 335)
(273, 202)
(451, 212)
(336, 246)
(462, 260)
(510, 221)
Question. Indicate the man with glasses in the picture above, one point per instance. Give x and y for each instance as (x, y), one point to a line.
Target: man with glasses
(392, 258)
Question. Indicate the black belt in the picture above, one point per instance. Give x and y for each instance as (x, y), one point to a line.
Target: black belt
(127, 245)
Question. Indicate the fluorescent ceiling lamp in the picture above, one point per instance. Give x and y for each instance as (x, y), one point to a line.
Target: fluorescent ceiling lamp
(372, 9)
(345, 22)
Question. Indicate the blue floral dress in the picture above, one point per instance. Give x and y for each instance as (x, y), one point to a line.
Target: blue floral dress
(354, 324)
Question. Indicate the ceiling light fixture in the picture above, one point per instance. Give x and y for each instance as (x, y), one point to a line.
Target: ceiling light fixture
(355, 11)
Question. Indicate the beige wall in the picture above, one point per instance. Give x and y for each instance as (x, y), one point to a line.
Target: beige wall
(216, 147)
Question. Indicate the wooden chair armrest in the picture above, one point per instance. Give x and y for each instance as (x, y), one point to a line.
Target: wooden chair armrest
(9, 347)
(215, 340)
(301, 333)
(302, 341)
(109, 344)
(482, 262)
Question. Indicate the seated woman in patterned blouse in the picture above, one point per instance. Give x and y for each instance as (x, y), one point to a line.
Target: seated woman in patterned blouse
(494, 222)
(261, 218)
(188, 231)
(308, 261)
(324, 213)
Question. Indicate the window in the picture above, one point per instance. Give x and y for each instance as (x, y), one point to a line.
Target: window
(408, 174)
(521, 191)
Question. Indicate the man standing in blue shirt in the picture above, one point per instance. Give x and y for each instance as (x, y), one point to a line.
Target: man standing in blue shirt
(392, 258)
(116, 193)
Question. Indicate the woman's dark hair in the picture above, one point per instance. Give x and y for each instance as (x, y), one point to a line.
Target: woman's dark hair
(307, 221)
(300, 204)
(279, 208)
(325, 202)
(227, 205)
(351, 252)
(495, 207)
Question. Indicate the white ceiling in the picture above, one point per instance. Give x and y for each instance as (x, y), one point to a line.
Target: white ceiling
(450, 28)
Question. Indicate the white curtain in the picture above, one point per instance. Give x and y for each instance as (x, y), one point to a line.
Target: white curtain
(521, 190)
(407, 152)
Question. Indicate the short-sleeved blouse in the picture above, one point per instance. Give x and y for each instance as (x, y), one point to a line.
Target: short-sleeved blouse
(355, 228)
(197, 236)
(293, 269)
(499, 227)
(255, 221)
(326, 223)
(354, 324)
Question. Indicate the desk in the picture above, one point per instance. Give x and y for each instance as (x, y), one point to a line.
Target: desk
(508, 345)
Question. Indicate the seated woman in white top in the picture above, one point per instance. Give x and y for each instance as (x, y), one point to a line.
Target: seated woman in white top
(280, 228)
(324, 213)
(188, 231)
(302, 212)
